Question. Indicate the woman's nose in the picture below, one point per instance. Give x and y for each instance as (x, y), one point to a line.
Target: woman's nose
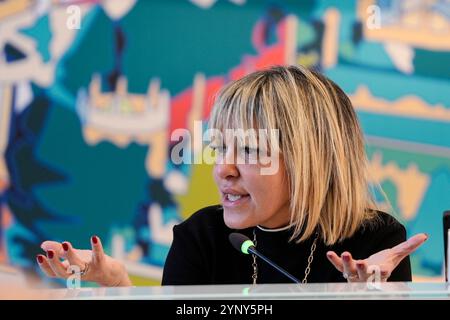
(226, 170)
(225, 166)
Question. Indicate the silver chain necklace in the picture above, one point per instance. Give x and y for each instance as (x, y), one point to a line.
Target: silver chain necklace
(308, 267)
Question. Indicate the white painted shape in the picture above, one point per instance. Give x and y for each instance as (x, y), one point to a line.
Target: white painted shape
(160, 232)
(117, 9)
(176, 182)
(402, 56)
(24, 95)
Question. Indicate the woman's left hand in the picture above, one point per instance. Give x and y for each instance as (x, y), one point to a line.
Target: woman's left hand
(384, 261)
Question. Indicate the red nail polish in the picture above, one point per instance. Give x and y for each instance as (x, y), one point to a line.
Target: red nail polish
(65, 246)
(346, 257)
(94, 239)
(40, 259)
(50, 254)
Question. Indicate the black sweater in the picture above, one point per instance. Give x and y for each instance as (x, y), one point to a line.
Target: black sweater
(202, 254)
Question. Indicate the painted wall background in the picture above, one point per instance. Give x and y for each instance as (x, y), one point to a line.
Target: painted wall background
(86, 114)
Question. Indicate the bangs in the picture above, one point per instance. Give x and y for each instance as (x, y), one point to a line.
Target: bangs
(243, 105)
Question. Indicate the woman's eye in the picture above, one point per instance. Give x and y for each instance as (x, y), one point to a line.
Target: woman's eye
(218, 149)
(250, 151)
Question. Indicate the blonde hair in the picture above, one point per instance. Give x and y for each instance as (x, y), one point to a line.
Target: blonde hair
(321, 142)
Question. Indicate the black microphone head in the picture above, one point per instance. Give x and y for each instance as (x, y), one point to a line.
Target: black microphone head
(240, 242)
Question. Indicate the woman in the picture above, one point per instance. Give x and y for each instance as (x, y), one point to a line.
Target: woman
(313, 215)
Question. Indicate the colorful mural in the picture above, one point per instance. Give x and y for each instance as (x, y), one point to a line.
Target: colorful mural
(87, 110)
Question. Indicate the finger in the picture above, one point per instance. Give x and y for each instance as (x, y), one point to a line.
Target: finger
(385, 274)
(44, 266)
(407, 247)
(53, 245)
(97, 250)
(348, 263)
(361, 268)
(71, 255)
(335, 260)
(56, 264)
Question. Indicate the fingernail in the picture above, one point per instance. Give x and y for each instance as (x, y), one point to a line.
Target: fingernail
(427, 236)
(359, 265)
(65, 246)
(50, 254)
(94, 239)
(40, 259)
(346, 257)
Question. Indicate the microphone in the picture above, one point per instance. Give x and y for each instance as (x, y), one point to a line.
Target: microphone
(243, 244)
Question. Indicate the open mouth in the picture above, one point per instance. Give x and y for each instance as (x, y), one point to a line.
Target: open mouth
(230, 199)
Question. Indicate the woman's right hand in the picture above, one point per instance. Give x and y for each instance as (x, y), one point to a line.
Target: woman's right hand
(100, 268)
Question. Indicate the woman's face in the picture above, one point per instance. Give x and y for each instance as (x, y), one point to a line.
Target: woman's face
(250, 198)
